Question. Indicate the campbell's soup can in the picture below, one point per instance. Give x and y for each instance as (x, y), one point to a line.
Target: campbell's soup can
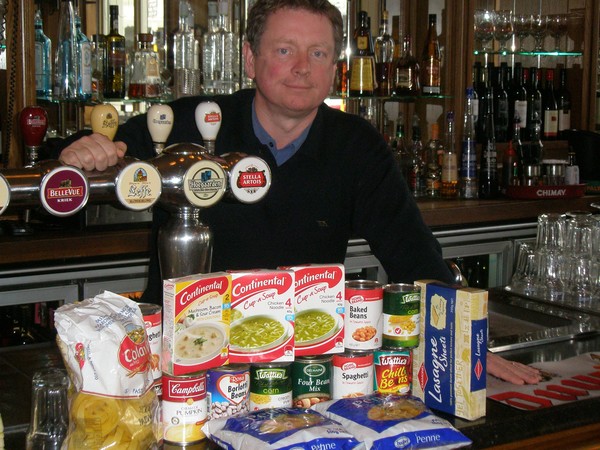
(184, 407)
(228, 390)
(352, 374)
(153, 322)
(393, 371)
(270, 386)
(363, 308)
(401, 315)
(311, 377)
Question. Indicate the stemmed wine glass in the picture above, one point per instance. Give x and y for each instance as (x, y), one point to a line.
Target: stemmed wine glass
(557, 28)
(522, 28)
(484, 27)
(503, 28)
(538, 31)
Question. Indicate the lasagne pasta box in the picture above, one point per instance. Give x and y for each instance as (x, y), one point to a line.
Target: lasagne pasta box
(449, 365)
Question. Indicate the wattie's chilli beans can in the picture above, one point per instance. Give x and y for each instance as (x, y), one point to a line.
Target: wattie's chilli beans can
(352, 374)
(401, 316)
(270, 386)
(311, 377)
(363, 315)
(184, 407)
(393, 371)
(228, 390)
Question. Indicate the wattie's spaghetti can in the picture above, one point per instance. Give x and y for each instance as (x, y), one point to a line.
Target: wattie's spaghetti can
(393, 371)
(228, 390)
(352, 374)
(184, 407)
(401, 316)
(270, 386)
(362, 315)
(153, 322)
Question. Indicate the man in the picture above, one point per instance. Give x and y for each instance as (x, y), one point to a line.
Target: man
(333, 175)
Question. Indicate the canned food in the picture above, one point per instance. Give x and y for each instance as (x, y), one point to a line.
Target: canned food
(270, 386)
(401, 315)
(352, 374)
(184, 408)
(311, 376)
(362, 318)
(393, 371)
(153, 322)
(228, 390)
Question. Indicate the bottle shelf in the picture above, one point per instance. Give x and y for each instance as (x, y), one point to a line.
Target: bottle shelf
(396, 98)
(532, 53)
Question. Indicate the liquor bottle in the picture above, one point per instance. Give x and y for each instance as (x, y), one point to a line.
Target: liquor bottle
(534, 102)
(65, 66)
(517, 98)
(550, 105)
(477, 81)
(468, 164)
(572, 169)
(399, 145)
(145, 70)
(484, 93)
(43, 59)
(208, 44)
(406, 72)
(416, 169)
(500, 105)
(433, 171)
(488, 174)
(114, 80)
(511, 167)
(98, 66)
(84, 62)
(563, 98)
(186, 55)
(536, 147)
(362, 64)
(227, 70)
(449, 187)
(384, 57)
(431, 62)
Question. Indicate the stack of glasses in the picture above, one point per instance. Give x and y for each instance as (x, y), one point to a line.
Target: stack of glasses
(564, 263)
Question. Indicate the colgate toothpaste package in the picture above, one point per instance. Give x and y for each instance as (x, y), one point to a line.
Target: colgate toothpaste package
(449, 365)
(262, 316)
(319, 309)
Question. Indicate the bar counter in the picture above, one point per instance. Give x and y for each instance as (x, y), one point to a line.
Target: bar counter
(69, 244)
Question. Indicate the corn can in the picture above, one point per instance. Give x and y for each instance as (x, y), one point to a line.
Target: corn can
(401, 316)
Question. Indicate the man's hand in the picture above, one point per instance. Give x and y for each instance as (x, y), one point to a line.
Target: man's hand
(91, 152)
(511, 371)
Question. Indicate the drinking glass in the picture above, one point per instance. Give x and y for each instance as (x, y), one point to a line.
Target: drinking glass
(583, 288)
(538, 31)
(551, 231)
(484, 27)
(549, 282)
(522, 28)
(579, 232)
(557, 28)
(49, 410)
(523, 279)
(503, 28)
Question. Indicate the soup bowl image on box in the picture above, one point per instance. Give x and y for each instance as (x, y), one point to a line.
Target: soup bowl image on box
(262, 316)
(449, 365)
(196, 322)
(319, 309)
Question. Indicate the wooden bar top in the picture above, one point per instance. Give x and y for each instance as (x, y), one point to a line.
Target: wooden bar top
(61, 245)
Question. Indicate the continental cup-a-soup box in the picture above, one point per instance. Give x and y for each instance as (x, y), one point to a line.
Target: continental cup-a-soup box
(449, 365)
(197, 311)
(319, 309)
(262, 316)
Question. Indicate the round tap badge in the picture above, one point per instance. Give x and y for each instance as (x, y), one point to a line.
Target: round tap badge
(204, 183)
(250, 179)
(138, 186)
(4, 194)
(64, 191)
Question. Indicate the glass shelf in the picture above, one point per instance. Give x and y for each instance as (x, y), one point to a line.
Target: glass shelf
(532, 53)
(392, 98)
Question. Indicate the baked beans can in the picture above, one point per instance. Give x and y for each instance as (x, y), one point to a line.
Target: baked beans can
(270, 386)
(311, 377)
(393, 371)
(401, 315)
(363, 315)
(184, 408)
(228, 390)
(153, 322)
(352, 374)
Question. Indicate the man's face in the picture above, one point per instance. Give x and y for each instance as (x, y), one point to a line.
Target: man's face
(295, 66)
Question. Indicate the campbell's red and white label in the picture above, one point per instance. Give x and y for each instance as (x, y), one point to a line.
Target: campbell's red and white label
(64, 191)
(184, 408)
(262, 316)
(352, 375)
(196, 322)
(319, 309)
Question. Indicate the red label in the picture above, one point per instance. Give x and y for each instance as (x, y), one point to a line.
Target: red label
(135, 356)
(199, 289)
(181, 390)
(64, 191)
(212, 117)
(249, 285)
(251, 179)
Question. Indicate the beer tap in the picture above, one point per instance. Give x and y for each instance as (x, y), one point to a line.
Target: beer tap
(34, 123)
(160, 122)
(208, 121)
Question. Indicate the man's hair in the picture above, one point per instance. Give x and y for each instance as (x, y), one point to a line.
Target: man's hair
(262, 9)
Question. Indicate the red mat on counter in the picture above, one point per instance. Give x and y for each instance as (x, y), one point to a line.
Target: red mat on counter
(565, 381)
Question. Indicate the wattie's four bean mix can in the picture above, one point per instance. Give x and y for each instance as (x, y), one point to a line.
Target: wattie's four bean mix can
(362, 319)
(401, 316)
